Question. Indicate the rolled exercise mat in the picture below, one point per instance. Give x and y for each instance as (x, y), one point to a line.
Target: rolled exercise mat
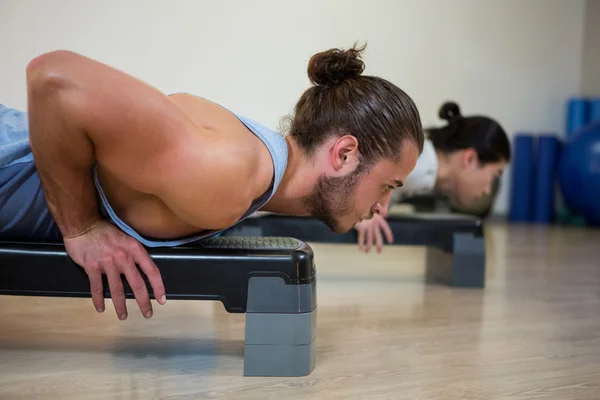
(577, 114)
(594, 114)
(546, 161)
(522, 179)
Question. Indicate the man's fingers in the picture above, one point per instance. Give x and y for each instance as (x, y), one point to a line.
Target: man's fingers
(96, 288)
(138, 286)
(117, 293)
(149, 268)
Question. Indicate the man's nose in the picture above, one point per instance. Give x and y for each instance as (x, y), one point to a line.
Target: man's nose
(382, 206)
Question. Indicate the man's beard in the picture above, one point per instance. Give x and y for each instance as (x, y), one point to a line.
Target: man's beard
(333, 198)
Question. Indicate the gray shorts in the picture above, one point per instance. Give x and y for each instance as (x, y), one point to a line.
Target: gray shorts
(24, 213)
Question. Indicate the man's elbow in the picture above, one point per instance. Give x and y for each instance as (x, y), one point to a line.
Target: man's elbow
(49, 71)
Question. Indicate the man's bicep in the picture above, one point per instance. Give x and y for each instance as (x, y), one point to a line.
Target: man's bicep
(131, 125)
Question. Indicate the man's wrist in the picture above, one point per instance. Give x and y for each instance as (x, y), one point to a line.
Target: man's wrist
(92, 224)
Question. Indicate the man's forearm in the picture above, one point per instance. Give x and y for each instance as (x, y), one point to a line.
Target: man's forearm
(63, 154)
(70, 194)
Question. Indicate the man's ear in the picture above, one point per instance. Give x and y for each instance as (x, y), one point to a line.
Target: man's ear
(345, 154)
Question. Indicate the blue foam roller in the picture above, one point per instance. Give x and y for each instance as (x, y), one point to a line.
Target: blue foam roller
(577, 114)
(522, 179)
(594, 115)
(546, 161)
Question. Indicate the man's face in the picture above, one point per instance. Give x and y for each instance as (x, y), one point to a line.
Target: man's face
(343, 201)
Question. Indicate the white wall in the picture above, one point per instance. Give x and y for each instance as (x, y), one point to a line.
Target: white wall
(590, 68)
(515, 60)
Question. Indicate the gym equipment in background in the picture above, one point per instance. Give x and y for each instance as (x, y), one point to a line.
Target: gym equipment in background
(455, 243)
(272, 280)
(578, 113)
(532, 195)
(544, 178)
(581, 111)
(521, 194)
(594, 110)
(579, 172)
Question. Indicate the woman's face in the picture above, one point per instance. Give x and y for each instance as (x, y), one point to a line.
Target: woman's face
(474, 180)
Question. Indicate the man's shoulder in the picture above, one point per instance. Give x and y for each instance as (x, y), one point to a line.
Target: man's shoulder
(236, 146)
(203, 112)
(215, 118)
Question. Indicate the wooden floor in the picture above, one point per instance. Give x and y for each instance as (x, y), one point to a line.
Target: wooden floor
(532, 333)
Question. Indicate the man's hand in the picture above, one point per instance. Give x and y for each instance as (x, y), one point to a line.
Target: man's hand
(370, 231)
(104, 249)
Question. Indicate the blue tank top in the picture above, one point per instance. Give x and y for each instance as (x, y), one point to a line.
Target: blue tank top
(24, 213)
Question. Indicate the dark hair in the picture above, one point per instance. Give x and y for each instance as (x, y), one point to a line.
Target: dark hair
(343, 101)
(481, 133)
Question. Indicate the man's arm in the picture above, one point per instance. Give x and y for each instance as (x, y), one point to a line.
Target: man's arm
(82, 111)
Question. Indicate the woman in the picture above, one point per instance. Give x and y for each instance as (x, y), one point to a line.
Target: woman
(461, 160)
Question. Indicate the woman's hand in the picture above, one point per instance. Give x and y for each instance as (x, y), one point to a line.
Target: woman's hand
(372, 231)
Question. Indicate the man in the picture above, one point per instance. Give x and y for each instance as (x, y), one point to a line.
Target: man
(123, 166)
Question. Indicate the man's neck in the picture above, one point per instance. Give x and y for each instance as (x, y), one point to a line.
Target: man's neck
(297, 183)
